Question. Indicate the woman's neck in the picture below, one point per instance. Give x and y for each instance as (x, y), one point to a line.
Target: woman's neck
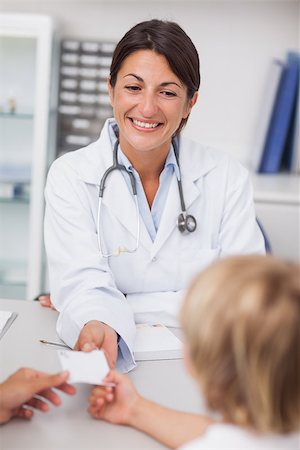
(148, 165)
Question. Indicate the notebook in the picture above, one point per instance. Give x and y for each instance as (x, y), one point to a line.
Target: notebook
(156, 341)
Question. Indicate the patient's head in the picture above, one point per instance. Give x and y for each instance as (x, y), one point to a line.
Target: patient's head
(241, 319)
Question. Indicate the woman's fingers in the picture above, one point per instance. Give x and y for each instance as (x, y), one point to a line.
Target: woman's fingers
(42, 384)
(37, 403)
(45, 300)
(100, 398)
(24, 413)
(51, 396)
(67, 388)
(97, 409)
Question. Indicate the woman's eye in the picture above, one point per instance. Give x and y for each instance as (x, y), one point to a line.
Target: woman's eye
(132, 88)
(168, 93)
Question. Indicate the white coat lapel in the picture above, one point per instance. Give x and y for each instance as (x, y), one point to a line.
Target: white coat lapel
(120, 202)
(195, 162)
(117, 197)
(172, 210)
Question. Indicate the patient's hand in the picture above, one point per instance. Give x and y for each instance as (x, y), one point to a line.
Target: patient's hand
(114, 404)
(28, 389)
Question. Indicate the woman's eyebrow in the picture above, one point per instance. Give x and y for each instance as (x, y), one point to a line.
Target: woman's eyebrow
(163, 84)
(166, 83)
(135, 76)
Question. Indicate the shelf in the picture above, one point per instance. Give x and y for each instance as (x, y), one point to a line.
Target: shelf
(12, 283)
(16, 116)
(15, 200)
(14, 192)
(29, 59)
(283, 188)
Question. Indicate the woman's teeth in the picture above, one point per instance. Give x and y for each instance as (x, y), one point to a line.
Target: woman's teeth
(145, 124)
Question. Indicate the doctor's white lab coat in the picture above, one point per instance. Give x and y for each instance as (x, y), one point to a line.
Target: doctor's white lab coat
(85, 286)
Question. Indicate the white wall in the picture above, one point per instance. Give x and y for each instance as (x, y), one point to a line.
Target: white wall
(236, 42)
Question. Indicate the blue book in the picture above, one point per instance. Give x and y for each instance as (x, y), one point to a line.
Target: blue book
(264, 115)
(280, 120)
(290, 156)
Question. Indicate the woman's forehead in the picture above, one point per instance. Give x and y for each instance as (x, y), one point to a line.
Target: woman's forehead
(145, 62)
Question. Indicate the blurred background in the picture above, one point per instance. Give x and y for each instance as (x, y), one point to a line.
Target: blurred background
(54, 61)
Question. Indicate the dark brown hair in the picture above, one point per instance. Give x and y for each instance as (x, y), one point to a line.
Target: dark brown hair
(167, 39)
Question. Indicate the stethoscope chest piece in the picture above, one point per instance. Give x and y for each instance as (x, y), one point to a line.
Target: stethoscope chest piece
(186, 222)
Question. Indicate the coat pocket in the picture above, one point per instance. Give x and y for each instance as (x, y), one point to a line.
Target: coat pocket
(193, 263)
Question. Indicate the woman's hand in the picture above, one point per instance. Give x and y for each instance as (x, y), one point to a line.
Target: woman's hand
(45, 300)
(114, 404)
(96, 335)
(93, 335)
(18, 393)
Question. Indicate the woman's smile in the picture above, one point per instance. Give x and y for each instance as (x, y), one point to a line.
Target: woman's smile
(143, 125)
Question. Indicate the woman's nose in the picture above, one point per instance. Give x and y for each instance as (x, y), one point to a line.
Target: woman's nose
(148, 105)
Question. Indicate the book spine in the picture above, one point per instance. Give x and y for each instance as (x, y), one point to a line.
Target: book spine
(280, 120)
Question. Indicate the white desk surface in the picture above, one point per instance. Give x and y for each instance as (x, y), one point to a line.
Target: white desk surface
(70, 426)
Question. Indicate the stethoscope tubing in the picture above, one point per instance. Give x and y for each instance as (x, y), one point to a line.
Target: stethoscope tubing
(185, 222)
(116, 166)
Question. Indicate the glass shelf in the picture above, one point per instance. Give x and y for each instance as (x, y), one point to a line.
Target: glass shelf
(15, 200)
(28, 58)
(15, 192)
(16, 116)
(13, 282)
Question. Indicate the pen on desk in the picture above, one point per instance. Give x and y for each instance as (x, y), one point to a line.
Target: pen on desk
(58, 344)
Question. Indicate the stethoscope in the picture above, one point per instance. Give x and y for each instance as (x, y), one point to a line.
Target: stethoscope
(185, 222)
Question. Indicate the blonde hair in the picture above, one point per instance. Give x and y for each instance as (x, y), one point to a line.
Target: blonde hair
(241, 318)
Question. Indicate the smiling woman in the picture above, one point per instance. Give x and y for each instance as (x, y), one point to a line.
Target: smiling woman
(150, 103)
(159, 194)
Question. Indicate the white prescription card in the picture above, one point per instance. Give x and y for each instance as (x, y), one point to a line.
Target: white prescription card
(84, 367)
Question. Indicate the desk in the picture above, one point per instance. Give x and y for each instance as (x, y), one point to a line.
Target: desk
(70, 426)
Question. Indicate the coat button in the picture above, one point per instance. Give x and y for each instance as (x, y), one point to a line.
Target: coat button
(154, 259)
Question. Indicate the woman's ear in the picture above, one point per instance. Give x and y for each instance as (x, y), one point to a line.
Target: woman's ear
(191, 102)
(110, 92)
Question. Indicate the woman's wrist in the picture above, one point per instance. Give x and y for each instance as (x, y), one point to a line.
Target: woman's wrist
(4, 415)
(137, 410)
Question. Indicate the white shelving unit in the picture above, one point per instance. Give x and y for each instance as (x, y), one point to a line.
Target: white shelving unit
(277, 201)
(26, 45)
